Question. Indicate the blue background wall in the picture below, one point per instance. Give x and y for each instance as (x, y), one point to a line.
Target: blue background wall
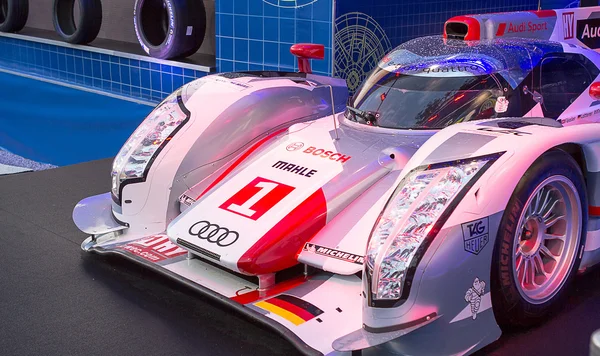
(367, 29)
(257, 34)
(139, 79)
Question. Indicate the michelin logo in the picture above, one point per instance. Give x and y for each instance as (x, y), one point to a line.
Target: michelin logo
(340, 255)
(473, 296)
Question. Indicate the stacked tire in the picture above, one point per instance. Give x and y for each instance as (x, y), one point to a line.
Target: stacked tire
(165, 29)
(169, 29)
(87, 26)
(13, 15)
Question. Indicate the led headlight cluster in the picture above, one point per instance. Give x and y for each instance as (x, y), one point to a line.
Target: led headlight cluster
(411, 217)
(134, 159)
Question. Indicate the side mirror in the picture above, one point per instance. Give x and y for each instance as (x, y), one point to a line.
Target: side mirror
(305, 52)
(537, 97)
(595, 90)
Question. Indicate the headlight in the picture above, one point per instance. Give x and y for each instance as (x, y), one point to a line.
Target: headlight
(135, 157)
(414, 214)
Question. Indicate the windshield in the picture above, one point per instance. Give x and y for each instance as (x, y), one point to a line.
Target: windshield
(402, 101)
(432, 82)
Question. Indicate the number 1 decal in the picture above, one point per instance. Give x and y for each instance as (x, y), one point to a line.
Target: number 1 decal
(256, 198)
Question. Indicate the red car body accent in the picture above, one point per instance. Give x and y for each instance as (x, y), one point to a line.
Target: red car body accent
(239, 160)
(255, 295)
(544, 13)
(277, 249)
(305, 52)
(473, 27)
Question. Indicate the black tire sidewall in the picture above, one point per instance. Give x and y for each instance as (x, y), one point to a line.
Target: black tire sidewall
(16, 16)
(180, 14)
(88, 26)
(161, 50)
(510, 308)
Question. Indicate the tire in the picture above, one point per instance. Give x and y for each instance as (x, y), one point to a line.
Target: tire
(179, 37)
(86, 29)
(13, 15)
(517, 302)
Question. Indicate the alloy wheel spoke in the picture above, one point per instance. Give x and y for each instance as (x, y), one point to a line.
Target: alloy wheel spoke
(551, 209)
(540, 264)
(534, 268)
(524, 273)
(548, 253)
(545, 201)
(553, 219)
(536, 201)
(549, 236)
(519, 263)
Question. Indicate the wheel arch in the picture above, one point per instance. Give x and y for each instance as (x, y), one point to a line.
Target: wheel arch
(576, 151)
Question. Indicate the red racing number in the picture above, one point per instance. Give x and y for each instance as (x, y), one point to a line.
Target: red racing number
(256, 198)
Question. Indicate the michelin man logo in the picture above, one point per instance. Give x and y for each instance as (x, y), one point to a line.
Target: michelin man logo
(294, 4)
(360, 42)
(473, 296)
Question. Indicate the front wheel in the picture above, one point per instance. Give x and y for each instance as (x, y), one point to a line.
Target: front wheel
(540, 240)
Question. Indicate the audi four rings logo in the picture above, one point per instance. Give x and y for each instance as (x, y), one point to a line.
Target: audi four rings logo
(214, 233)
(294, 146)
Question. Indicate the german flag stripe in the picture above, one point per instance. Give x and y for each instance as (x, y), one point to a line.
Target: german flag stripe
(302, 304)
(306, 316)
(294, 319)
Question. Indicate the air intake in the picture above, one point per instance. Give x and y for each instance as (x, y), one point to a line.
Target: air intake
(462, 28)
(456, 30)
(199, 250)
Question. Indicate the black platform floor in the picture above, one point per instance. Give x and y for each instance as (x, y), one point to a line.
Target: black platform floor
(57, 300)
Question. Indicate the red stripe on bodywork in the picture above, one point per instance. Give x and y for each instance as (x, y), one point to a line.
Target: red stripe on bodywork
(239, 160)
(544, 13)
(501, 30)
(277, 249)
(299, 312)
(255, 295)
(594, 210)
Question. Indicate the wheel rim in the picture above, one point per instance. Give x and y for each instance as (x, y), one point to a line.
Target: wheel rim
(546, 240)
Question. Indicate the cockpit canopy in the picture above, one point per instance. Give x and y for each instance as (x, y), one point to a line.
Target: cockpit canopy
(432, 82)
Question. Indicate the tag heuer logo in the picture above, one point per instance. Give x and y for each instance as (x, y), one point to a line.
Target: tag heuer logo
(476, 235)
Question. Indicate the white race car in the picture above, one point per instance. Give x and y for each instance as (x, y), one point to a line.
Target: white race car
(456, 194)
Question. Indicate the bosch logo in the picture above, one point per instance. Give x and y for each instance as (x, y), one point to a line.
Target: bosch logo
(334, 156)
(214, 233)
(294, 146)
